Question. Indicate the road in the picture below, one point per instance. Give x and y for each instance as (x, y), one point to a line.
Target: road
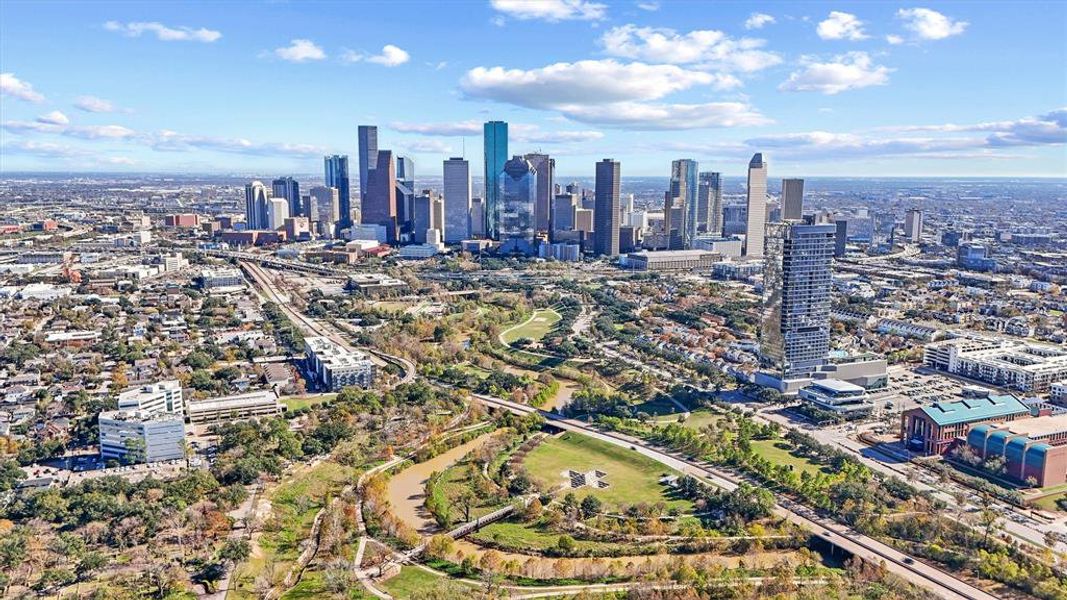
(937, 581)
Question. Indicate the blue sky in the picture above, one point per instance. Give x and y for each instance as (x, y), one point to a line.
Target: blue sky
(822, 88)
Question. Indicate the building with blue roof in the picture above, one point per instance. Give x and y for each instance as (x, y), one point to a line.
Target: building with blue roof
(935, 428)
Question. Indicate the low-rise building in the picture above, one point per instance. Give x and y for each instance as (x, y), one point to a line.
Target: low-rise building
(154, 398)
(263, 403)
(220, 278)
(1025, 367)
(839, 397)
(1031, 448)
(935, 428)
(670, 260)
(140, 436)
(335, 367)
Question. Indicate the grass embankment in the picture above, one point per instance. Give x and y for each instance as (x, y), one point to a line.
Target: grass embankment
(535, 328)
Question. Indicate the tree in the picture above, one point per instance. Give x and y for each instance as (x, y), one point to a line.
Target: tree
(235, 550)
(565, 544)
(591, 506)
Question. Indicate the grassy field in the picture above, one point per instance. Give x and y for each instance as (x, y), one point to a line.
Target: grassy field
(632, 478)
(698, 419)
(297, 402)
(523, 537)
(777, 452)
(537, 327)
(410, 581)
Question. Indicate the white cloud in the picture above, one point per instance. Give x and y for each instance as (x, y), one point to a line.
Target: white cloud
(849, 71)
(517, 132)
(551, 10)
(54, 118)
(1049, 128)
(657, 116)
(391, 56)
(16, 88)
(707, 47)
(300, 50)
(841, 26)
(582, 82)
(431, 146)
(43, 149)
(172, 141)
(649, 6)
(758, 20)
(94, 104)
(929, 24)
(164, 33)
(95, 132)
(895, 40)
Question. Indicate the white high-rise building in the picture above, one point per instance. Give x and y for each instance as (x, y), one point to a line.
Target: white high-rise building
(457, 200)
(913, 225)
(757, 206)
(256, 196)
(277, 213)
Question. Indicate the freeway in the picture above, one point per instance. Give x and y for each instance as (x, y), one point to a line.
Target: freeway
(937, 581)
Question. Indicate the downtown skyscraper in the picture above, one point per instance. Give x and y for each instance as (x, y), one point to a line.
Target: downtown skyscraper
(515, 207)
(683, 196)
(379, 207)
(257, 197)
(546, 169)
(457, 199)
(495, 142)
(368, 157)
(794, 331)
(792, 199)
(289, 189)
(606, 215)
(337, 177)
(709, 199)
(757, 207)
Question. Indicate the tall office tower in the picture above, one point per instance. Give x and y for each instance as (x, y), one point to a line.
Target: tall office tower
(583, 220)
(478, 218)
(546, 168)
(841, 237)
(516, 198)
(405, 192)
(711, 203)
(277, 213)
(368, 157)
(424, 216)
(324, 205)
(337, 177)
(606, 212)
(495, 141)
(405, 171)
(379, 207)
(795, 325)
(438, 209)
(684, 190)
(256, 196)
(289, 189)
(563, 207)
(913, 225)
(457, 200)
(792, 199)
(757, 206)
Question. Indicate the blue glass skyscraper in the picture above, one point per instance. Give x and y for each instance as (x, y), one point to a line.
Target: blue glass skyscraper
(337, 177)
(496, 154)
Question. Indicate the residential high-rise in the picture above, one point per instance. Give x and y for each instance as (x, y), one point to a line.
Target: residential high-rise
(682, 195)
(325, 205)
(792, 199)
(606, 210)
(289, 189)
(757, 206)
(457, 200)
(841, 237)
(709, 199)
(797, 277)
(515, 201)
(913, 225)
(546, 168)
(256, 196)
(337, 177)
(495, 141)
(368, 157)
(379, 207)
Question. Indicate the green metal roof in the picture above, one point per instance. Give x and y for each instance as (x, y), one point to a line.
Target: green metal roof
(974, 409)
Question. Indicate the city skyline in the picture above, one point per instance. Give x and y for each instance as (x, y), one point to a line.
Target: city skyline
(824, 89)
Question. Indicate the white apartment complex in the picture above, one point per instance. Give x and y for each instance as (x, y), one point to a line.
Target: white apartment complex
(155, 398)
(1024, 367)
(336, 367)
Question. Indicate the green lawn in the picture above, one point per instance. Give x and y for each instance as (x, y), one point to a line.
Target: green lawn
(297, 402)
(697, 419)
(536, 328)
(777, 452)
(523, 537)
(632, 477)
(409, 581)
